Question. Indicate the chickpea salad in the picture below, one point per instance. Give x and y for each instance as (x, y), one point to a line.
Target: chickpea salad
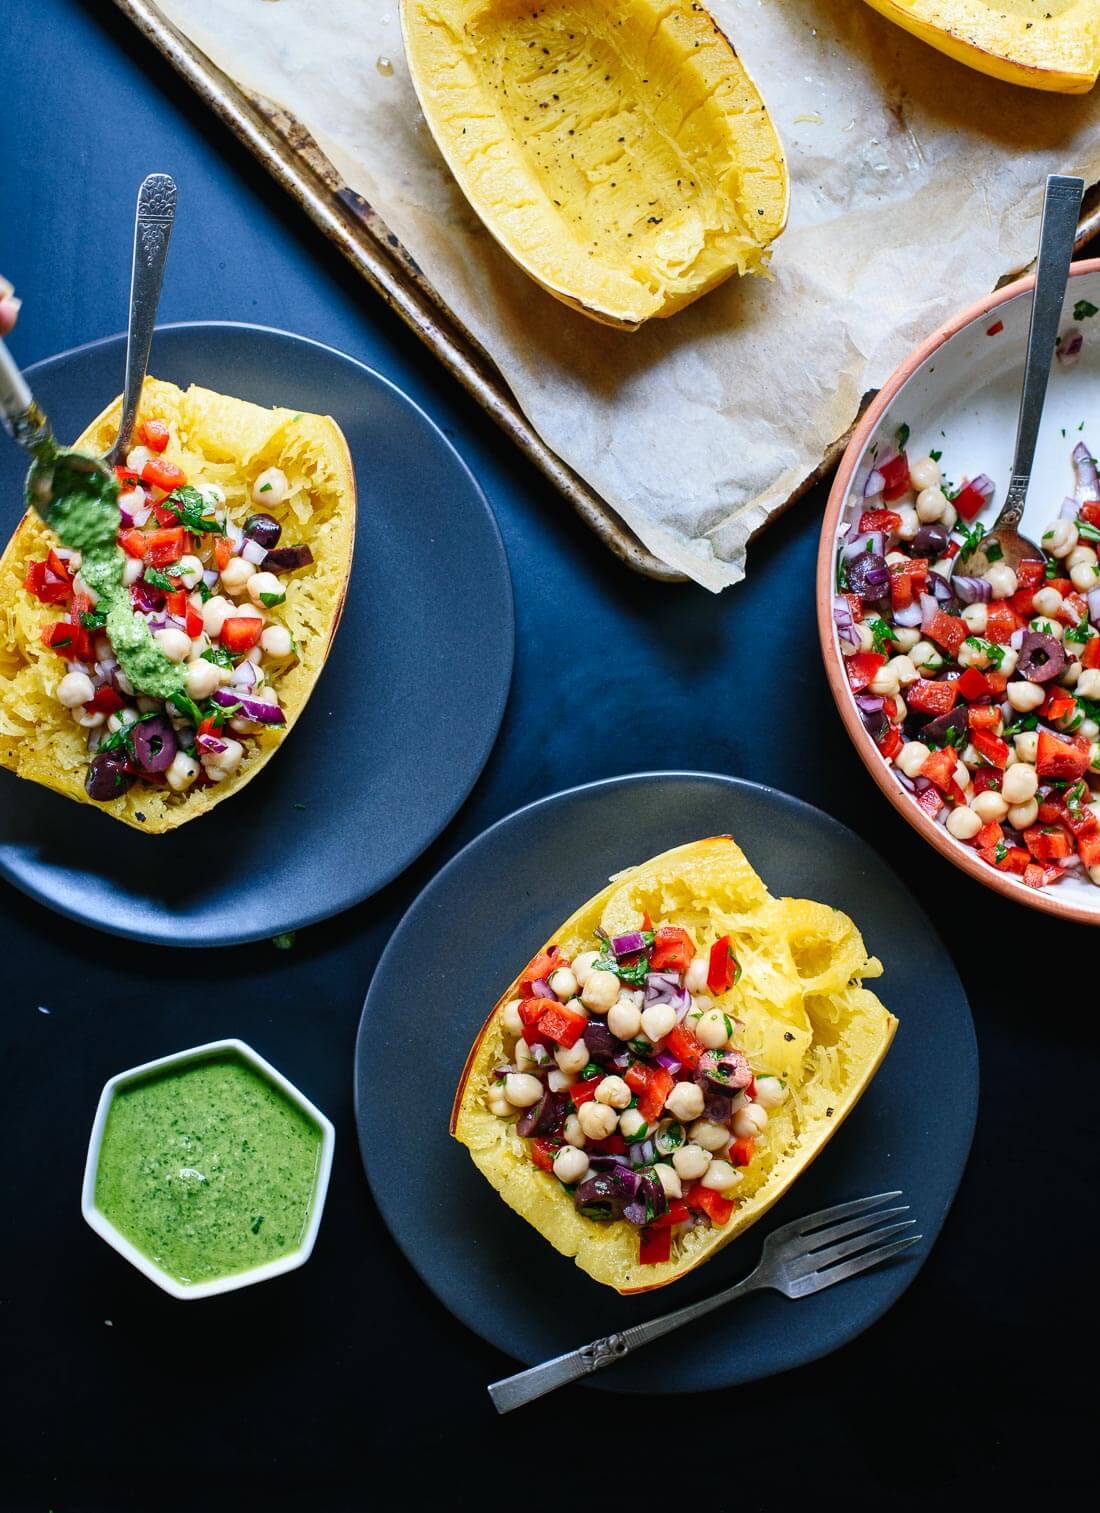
(629, 1082)
(171, 642)
(981, 692)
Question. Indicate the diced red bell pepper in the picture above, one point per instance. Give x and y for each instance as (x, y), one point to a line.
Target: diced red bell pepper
(969, 501)
(538, 969)
(239, 633)
(855, 604)
(582, 1092)
(1006, 858)
(1002, 623)
(1040, 877)
(47, 585)
(723, 969)
(177, 602)
(879, 520)
(673, 950)
(154, 433)
(973, 684)
(682, 1044)
(1048, 843)
(1089, 511)
(677, 1212)
(948, 631)
(163, 547)
(1022, 602)
(163, 474)
(655, 1246)
(614, 1145)
(989, 835)
(995, 329)
(1077, 818)
(1051, 810)
(543, 1152)
(1059, 703)
(895, 474)
(132, 543)
(901, 585)
(60, 636)
(998, 681)
(127, 478)
(930, 801)
(890, 742)
(652, 1085)
(991, 747)
(1090, 656)
(719, 1210)
(1062, 760)
(1075, 608)
(984, 717)
(223, 551)
(1031, 574)
(987, 779)
(742, 1151)
(105, 700)
(194, 621)
(863, 668)
(531, 1011)
(932, 698)
(939, 768)
(1088, 847)
(562, 1025)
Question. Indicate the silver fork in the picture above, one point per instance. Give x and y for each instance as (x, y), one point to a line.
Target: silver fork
(801, 1258)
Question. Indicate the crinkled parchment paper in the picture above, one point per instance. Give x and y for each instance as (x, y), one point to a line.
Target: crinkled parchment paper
(916, 184)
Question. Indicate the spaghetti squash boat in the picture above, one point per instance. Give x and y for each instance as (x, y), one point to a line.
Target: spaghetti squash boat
(155, 652)
(1042, 44)
(620, 154)
(662, 1071)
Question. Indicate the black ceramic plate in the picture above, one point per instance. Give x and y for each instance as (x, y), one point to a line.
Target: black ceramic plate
(491, 908)
(404, 715)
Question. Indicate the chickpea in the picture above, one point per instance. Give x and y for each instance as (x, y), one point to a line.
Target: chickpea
(1071, 674)
(750, 1122)
(572, 1058)
(247, 611)
(925, 657)
(220, 764)
(720, 1176)
(277, 641)
(669, 1178)
(624, 1020)
(712, 1029)
(509, 1017)
(522, 1090)
(270, 488)
(614, 1092)
(691, 1161)
(522, 1055)
(583, 963)
(885, 682)
(931, 503)
(1002, 581)
(497, 1103)
(925, 474)
(702, 1003)
(712, 1137)
(989, 806)
(695, 978)
(600, 990)
(771, 1092)
(895, 559)
(1009, 658)
(89, 719)
(1088, 683)
(963, 823)
(658, 1021)
(1085, 576)
(1048, 601)
(203, 678)
(910, 522)
(1021, 816)
(906, 637)
(75, 688)
(190, 572)
(1081, 554)
(685, 1102)
(215, 612)
(570, 1165)
(175, 644)
(265, 583)
(1047, 627)
(1060, 539)
(182, 771)
(633, 1124)
(1024, 696)
(865, 640)
(1019, 784)
(563, 984)
(912, 757)
(1027, 745)
(572, 1132)
(976, 617)
(904, 670)
(597, 1120)
(950, 517)
(235, 575)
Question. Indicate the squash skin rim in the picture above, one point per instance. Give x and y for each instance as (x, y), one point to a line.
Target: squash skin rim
(671, 305)
(338, 452)
(753, 1208)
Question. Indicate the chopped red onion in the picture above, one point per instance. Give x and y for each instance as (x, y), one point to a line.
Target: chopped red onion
(541, 989)
(210, 743)
(1070, 507)
(867, 541)
(669, 1062)
(253, 552)
(874, 485)
(1094, 605)
(1016, 639)
(540, 1055)
(126, 520)
(235, 536)
(929, 610)
(251, 709)
(210, 576)
(845, 621)
(1068, 347)
(984, 485)
(1084, 464)
(909, 617)
(244, 675)
(628, 944)
(971, 590)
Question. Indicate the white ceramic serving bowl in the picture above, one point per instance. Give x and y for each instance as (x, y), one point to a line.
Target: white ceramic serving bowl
(959, 392)
(103, 1226)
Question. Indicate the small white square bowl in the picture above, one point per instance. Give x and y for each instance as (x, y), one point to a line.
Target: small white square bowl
(103, 1226)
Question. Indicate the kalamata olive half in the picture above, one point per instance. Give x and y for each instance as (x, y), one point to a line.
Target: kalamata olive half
(1041, 658)
(155, 743)
(287, 559)
(729, 1070)
(545, 1117)
(868, 576)
(263, 530)
(930, 541)
(946, 727)
(108, 777)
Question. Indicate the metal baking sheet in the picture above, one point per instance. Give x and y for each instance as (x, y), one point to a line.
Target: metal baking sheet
(294, 159)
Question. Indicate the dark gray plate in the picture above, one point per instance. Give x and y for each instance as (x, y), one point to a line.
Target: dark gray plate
(406, 710)
(456, 949)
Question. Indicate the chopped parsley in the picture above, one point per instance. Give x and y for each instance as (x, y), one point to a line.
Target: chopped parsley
(971, 537)
(284, 941)
(169, 580)
(881, 633)
(994, 552)
(191, 510)
(1084, 309)
(269, 601)
(219, 656)
(935, 456)
(903, 436)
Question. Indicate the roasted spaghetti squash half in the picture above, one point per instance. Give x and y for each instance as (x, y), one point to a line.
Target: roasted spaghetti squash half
(243, 463)
(619, 153)
(668, 1064)
(1042, 44)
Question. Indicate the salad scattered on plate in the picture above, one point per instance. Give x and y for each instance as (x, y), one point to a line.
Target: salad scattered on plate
(981, 692)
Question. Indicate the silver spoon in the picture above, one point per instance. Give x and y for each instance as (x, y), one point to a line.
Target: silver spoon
(1061, 212)
(24, 418)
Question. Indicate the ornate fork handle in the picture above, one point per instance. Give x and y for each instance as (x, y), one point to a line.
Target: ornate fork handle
(156, 209)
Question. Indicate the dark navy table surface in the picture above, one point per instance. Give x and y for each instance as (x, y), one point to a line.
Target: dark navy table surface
(303, 1393)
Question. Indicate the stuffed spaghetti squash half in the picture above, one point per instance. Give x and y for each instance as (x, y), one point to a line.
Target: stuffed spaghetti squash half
(221, 577)
(665, 1067)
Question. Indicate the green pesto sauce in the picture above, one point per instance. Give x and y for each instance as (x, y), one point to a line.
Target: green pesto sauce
(208, 1169)
(84, 514)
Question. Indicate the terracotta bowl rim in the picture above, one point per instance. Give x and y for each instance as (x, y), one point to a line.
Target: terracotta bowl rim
(960, 855)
